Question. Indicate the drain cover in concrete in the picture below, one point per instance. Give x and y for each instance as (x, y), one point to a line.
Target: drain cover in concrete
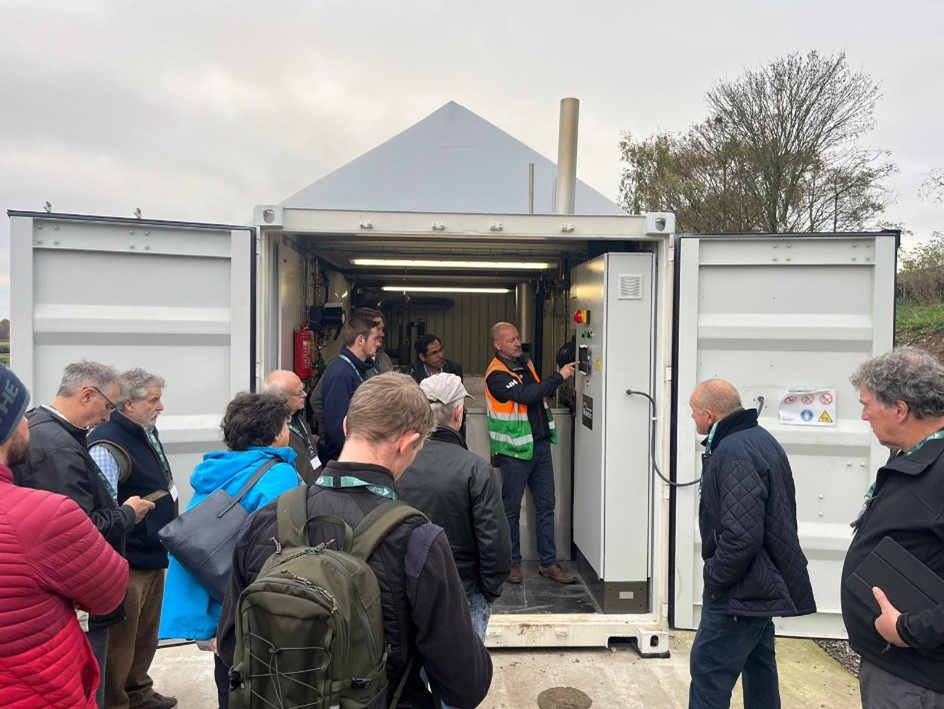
(563, 698)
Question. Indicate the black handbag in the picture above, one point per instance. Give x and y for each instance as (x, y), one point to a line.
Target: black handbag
(202, 539)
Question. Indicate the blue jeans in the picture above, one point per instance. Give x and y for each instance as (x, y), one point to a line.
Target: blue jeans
(537, 474)
(481, 609)
(727, 646)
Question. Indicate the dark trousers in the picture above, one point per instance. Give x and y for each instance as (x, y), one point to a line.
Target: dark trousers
(221, 677)
(537, 474)
(133, 642)
(98, 639)
(880, 688)
(727, 646)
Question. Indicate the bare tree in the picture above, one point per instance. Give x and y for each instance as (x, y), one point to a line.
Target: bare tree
(778, 152)
(933, 186)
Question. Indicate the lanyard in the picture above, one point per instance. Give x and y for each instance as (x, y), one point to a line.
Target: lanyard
(711, 437)
(159, 450)
(351, 481)
(937, 435)
(356, 370)
(870, 493)
(301, 434)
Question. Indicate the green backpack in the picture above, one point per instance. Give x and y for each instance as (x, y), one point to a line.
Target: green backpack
(309, 629)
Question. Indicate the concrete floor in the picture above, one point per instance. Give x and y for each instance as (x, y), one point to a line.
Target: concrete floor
(612, 677)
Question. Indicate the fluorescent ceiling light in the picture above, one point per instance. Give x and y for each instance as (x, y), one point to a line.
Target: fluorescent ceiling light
(430, 263)
(442, 289)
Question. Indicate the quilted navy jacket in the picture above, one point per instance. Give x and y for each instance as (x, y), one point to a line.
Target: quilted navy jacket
(747, 518)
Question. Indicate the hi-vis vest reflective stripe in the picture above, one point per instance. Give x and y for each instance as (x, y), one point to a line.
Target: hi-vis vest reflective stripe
(509, 432)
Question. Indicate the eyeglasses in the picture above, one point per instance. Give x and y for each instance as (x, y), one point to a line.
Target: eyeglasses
(300, 394)
(112, 406)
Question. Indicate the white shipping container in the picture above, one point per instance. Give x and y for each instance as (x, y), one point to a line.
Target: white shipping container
(212, 309)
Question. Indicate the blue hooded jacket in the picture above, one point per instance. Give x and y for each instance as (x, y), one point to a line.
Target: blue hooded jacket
(189, 611)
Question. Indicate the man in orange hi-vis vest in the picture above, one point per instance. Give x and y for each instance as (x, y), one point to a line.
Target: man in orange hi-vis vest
(520, 432)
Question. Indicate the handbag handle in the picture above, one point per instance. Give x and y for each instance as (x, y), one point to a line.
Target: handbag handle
(249, 485)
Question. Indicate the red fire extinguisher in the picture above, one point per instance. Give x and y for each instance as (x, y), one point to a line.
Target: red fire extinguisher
(304, 345)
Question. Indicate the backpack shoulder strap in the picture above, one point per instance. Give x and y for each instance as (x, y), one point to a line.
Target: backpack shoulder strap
(292, 515)
(378, 523)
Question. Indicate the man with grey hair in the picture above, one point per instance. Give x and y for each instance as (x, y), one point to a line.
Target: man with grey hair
(461, 493)
(129, 452)
(902, 396)
(754, 569)
(287, 385)
(59, 461)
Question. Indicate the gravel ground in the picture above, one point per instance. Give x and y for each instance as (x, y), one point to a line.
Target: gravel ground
(840, 651)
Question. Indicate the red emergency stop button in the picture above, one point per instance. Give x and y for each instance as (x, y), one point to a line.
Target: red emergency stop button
(582, 316)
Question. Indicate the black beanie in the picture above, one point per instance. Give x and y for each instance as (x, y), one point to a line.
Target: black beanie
(14, 396)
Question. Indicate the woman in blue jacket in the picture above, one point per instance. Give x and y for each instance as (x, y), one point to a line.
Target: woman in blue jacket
(255, 431)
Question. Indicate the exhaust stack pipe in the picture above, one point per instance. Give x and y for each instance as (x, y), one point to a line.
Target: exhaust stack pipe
(567, 156)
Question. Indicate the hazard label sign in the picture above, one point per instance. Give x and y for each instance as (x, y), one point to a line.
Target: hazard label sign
(808, 407)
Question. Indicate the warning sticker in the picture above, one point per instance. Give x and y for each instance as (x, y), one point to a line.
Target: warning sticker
(808, 407)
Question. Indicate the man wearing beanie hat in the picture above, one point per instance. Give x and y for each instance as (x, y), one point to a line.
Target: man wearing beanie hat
(59, 461)
(50, 552)
(462, 494)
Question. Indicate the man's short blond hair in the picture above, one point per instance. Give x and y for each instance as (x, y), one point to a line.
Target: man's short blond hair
(386, 406)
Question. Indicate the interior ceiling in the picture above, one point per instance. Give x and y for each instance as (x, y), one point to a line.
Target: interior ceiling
(340, 250)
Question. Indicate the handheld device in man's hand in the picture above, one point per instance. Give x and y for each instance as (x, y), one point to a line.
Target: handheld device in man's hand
(909, 585)
(156, 495)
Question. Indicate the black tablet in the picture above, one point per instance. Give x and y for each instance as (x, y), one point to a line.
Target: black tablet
(909, 584)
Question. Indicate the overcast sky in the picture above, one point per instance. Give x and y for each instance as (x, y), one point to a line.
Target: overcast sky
(200, 110)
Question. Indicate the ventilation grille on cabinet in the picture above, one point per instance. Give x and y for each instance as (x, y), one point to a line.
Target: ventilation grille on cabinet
(630, 286)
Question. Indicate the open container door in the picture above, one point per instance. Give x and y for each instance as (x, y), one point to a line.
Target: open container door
(176, 299)
(783, 317)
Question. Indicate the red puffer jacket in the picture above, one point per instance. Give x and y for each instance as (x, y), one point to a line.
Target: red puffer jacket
(52, 559)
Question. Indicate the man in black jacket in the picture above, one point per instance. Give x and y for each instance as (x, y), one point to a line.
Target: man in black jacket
(59, 461)
(425, 613)
(754, 568)
(902, 396)
(128, 450)
(462, 493)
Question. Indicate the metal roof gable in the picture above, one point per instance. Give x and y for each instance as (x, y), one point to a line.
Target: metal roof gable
(451, 161)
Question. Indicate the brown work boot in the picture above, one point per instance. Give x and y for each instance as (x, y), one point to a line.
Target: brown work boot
(515, 576)
(556, 573)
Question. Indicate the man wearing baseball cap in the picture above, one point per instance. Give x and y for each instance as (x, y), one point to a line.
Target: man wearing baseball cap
(52, 559)
(462, 494)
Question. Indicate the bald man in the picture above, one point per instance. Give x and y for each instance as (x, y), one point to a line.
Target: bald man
(287, 385)
(754, 567)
